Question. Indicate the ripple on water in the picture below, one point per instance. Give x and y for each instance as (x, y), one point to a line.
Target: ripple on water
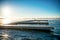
(27, 35)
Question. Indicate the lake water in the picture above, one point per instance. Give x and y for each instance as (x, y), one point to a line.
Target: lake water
(31, 34)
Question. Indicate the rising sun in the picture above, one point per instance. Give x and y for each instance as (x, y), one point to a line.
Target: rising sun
(6, 12)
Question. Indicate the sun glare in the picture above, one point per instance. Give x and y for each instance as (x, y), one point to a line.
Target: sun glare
(6, 12)
(6, 21)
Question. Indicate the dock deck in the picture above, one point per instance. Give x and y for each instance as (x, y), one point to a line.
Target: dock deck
(39, 27)
(30, 24)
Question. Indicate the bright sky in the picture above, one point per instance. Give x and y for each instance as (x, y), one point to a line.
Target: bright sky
(30, 9)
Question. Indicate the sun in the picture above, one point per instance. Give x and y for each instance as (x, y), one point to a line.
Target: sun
(6, 12)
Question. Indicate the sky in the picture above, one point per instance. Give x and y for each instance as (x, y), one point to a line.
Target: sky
(29, 8)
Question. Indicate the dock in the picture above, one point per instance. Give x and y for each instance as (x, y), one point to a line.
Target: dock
(44, 22)
(30, 24)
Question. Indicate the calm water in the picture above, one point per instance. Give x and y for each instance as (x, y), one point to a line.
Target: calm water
(31, 34)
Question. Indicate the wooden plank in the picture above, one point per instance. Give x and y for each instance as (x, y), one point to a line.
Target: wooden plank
(26, 27)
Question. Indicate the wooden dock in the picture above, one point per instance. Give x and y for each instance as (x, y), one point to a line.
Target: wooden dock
(39, 27)
(30, 24)
(45, 22)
